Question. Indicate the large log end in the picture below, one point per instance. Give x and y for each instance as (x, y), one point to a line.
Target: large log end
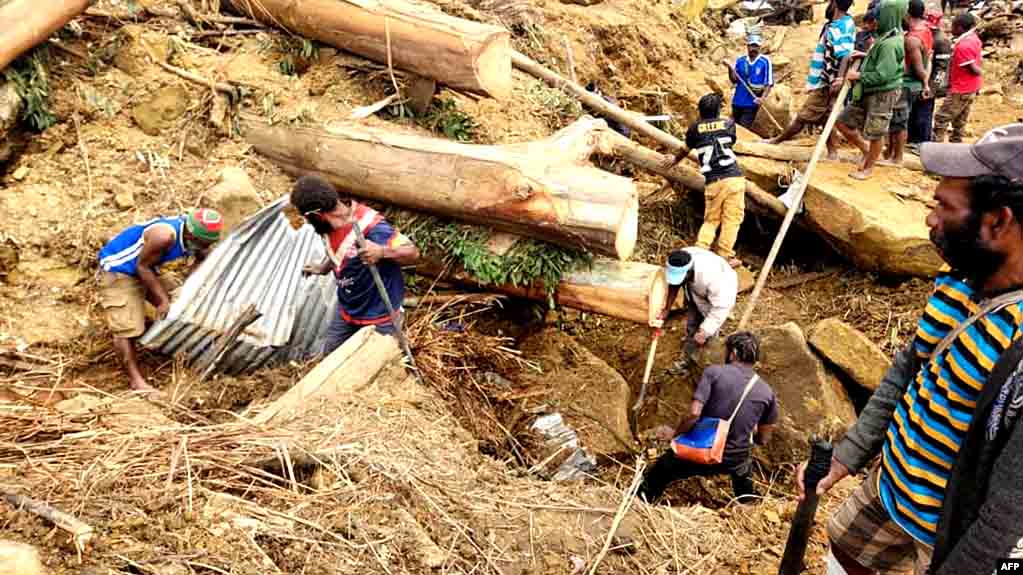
(493, 66)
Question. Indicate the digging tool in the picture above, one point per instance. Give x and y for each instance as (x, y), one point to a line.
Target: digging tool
(649, 367)
(399, 329)
(802, 522)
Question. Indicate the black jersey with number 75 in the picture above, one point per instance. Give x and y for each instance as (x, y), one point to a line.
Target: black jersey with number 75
(712, 141)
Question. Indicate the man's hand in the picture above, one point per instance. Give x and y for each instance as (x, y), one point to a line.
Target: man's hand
(758, 101)
(162, 308)
(371, 253)
(669, 161)
(853, 75)
(837, 473)
(664, 433)
(857, 54)
(727, 63)
(927, 94)
(700, 338)
(313, 270)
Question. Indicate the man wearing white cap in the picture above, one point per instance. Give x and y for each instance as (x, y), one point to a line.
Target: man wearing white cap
(710, 287)
(946, 497)
(752, 71)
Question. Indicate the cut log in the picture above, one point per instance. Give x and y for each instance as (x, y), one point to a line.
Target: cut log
(348, 369)
(544, 189)
(632, 291)
(802, 154)
(27, 23)
(415, 37)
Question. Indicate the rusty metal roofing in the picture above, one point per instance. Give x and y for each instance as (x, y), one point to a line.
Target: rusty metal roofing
(259, 263)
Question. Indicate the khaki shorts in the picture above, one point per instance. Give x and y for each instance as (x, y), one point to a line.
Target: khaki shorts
(872, 114)
(817, 106)
(123, 299)
(863, 530)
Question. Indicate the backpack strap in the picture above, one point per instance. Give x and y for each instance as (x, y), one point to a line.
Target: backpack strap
(992, 305)
(745, 392)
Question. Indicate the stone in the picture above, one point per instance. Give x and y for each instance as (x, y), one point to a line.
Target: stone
(780, 66)
(851, 351)
(880, 223)
(10, 107)
(747, 279)
(20, 174)
(810, 401)
(420, 93)
(583, 384)
(9, 257)
(234, 197)
(137, 47)
(162, 110)
(20, 559)
(764, 172)
(777, 105)
(995, 99)
(124, 199)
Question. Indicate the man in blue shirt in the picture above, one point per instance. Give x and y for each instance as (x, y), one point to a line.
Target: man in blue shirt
(359, 301)
(751, 71)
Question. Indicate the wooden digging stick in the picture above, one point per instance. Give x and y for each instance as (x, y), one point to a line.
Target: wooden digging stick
(797, 200)
(762, 107)
(80, 531)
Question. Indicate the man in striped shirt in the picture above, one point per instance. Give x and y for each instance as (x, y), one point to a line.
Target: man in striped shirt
(827, 72)
(924, 406)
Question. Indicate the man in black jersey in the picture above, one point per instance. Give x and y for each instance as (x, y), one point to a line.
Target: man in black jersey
(712, 138)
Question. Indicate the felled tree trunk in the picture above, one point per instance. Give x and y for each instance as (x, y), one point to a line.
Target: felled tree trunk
(26, 23)
(544, 189)
(789, 153)
(632, 291)
(414, 37)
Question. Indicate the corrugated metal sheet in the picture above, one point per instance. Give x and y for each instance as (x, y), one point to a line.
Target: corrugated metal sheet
(259, 263)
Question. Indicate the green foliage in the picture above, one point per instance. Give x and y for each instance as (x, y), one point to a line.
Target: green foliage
(558, 108)
(527, 262)
(297, 55)
(444, 117)
(28, 74)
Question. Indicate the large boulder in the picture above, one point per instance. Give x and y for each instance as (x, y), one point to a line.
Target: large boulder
(879, 223)
(235, 197)
(162, 111)
(20, 559)
(584, 389)
(851, 351)
(777, 105)
(810, 400)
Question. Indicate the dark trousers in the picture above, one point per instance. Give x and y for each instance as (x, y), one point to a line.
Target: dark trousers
(921, 120)
(669, 468)
(693, 320)
(745, 117)
(340, 330)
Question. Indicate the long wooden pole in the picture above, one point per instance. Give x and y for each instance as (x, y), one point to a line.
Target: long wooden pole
(594, 101)
(797, 200)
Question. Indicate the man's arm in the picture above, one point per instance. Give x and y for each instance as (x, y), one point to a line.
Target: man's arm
(393, 246)
(319, 269)
(864, 439)
(764, 433)
(722, 300)
(690, 419)
(974, 67)
(732, 74)
(998, 531)
(914, 58)
(156, 240)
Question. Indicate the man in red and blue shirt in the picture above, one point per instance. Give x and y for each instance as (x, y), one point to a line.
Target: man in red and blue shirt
(359, 301)
(751, 70)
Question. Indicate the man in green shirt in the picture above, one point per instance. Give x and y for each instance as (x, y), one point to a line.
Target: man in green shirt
(878, 87)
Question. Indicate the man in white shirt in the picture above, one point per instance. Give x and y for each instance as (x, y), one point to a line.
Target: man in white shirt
(710, 286)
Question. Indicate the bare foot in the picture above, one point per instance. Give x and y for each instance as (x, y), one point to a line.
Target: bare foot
(890, 162)
(860, 175)
(734, 262)
(833, 155)
(141, 386)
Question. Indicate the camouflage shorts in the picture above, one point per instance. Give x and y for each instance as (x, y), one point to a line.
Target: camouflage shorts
(872, 114)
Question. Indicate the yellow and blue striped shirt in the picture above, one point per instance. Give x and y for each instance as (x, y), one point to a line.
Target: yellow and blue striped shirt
(933, 415)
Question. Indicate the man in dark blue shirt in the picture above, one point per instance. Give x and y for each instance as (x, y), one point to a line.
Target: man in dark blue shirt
(359, 301)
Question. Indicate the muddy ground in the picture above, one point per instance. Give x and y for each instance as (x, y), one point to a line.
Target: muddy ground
(132, 141)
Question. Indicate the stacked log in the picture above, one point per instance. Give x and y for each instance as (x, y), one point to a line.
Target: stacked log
(415, 37)
(544, 189)
(26, 23)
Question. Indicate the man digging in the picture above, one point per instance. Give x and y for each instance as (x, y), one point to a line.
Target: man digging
(359, 301)
(129, 275)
